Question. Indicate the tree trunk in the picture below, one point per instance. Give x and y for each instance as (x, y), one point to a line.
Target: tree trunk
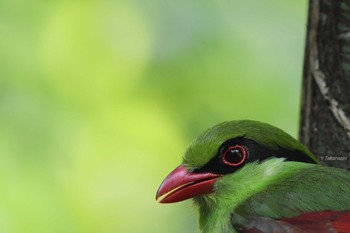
(325, 113)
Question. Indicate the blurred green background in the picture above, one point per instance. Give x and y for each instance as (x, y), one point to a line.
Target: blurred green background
(99, 99)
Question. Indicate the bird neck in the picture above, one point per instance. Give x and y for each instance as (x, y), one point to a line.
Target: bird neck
(214, 218)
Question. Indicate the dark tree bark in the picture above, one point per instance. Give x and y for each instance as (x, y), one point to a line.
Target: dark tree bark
(325, 113)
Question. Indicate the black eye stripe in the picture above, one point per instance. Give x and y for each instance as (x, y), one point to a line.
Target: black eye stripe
(254, 152)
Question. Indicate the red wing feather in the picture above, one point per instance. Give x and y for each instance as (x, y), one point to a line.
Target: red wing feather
(322, 222)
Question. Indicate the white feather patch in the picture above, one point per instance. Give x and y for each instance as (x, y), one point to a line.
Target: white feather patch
(273, 167)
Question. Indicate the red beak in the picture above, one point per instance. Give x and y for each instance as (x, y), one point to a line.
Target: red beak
(180, 185)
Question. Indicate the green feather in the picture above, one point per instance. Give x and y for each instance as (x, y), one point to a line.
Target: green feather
(272, 189)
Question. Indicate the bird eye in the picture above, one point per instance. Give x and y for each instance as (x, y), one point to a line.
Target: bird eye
(234, 155)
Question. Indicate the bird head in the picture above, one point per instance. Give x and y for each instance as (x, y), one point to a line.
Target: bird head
(222, 151)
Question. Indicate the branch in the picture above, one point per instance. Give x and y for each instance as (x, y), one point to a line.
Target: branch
(320, 77)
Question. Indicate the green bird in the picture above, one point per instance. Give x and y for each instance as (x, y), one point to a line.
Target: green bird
(248, 176)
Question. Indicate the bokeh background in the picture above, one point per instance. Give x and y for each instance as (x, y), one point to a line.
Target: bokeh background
(99, 100)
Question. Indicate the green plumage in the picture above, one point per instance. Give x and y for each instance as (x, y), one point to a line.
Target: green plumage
(272, 188)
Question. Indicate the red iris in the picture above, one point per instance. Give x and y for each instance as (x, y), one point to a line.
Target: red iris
(234, 155)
